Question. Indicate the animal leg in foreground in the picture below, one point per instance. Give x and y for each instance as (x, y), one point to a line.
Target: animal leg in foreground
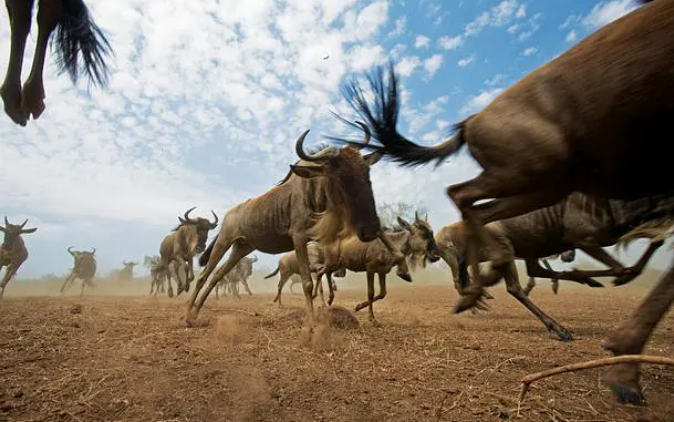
(616, 360)
(630, 339)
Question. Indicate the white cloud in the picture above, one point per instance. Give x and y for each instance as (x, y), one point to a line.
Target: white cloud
(479, 101)
(530, 51)
(495, 80)
(608, 11)
(432, 64)
(513, 28)
(571, 36)
(400, 25)
(450, 43)
(422, 42)
(407, 65)
(466, 60)
(501, 14)
(533, 25)
(363, 57)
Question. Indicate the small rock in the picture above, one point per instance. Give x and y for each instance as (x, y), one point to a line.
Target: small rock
(76, 309)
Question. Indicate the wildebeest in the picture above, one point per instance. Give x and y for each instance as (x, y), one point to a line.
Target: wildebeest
(158, 274)
(415, 241)
(84, 268)
(289, 267)
(13, 250)
(567, 256)
(125, 274)
(178, 249)
(325, 196)
(239, 274)
(579, 221)
(590, 120)
(76, 33)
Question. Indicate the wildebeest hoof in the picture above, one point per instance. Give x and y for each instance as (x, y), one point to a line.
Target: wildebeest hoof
(592, 283)
(170, 293)
(625, 278)
(11, 97)
(564, 334)
(32, 99)
(623, 380)
(471, 300)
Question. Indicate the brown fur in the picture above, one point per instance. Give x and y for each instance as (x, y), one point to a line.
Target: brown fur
(178, 249)
(84, 268)
(373, 257)
(13, 251)
(330, 182)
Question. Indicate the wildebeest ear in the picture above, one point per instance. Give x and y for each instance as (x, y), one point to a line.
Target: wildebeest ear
(372, 158)
(404, 224)
(29, 230)
(308, 171)
(2, 229)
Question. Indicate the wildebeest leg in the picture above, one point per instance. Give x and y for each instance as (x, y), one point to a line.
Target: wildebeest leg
(398, 257)
(370, 298)
(282, 281)
(239, 250)
(631, 336)
(534, 269)
(20, 14)
(318, 288)
(380, 296)
(530, 286)
(69, 280)
(245, 285)
(169, 266)
(554, 281)
(181, 273)
(452, 262)
(300, 243)
(332, 288)
(32, 95)
(616, 269)
(10, 270)
(514, 288)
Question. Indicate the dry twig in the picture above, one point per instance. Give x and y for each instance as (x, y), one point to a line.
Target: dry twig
(526, 381)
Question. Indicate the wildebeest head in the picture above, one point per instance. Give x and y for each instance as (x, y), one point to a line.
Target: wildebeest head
(348, 183)
(78, 254)
(13, 231)
(423, 233)
(202, 225)
(129, 265)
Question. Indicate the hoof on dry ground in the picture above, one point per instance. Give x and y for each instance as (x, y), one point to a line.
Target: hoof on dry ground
(335, 316)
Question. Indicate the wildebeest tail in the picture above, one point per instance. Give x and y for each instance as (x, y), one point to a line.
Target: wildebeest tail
(278, 268)
(205, 256)
(381, 118)
(77, 33)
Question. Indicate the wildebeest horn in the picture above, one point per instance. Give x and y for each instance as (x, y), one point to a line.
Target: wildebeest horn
(187, 214)
(6, 222)
(214, 224)
(70, 251)
(24, 223)
(368, 136)
(299, 148)
(93, 250)
(416, 215)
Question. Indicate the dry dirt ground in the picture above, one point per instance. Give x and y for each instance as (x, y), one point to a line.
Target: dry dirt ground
(127, 358)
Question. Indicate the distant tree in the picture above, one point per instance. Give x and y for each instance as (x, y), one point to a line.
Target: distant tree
(389, 212)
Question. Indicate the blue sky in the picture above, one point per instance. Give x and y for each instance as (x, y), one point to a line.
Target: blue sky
(207, 98)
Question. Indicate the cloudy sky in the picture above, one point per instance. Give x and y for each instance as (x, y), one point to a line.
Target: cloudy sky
(207, 98)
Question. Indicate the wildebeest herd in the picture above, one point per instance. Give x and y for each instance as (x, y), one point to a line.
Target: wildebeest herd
(571, 158)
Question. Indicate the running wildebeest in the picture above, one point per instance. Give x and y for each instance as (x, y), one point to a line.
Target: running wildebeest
(580, 221)
(415, 241)
(567, 256)
(289, 266)
(13, 250)
(326, 196)
(239, 274)
(84, 268)
(158, 274)
(125, 274)
(590, 120)
(178, 249)
(76, 33)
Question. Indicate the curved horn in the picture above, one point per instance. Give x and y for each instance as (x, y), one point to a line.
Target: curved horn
(368, 135)
(416, 215)
(214, 224)
(70, 251)
(299, 148)
(93, 250)
(6, 222)
(186, 216)
(24, 223)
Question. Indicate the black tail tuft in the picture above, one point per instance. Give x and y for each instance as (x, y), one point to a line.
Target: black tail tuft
(274, 273)
(382, 118)
(206, 255)
(77, 32)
